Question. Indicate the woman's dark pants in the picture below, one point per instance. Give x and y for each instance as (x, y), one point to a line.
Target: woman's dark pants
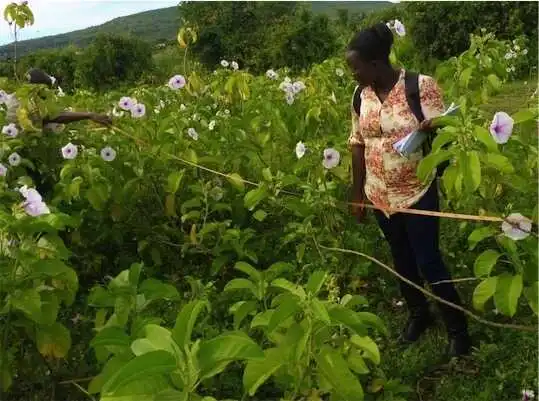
(414, 242)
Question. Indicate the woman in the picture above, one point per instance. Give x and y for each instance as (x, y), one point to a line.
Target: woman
(388, 180)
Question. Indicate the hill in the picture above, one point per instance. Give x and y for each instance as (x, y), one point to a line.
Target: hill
(160, 25)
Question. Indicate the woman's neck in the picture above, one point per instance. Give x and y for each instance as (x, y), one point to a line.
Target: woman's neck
(387, 79)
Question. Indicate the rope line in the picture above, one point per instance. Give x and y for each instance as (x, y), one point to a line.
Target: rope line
(456, 216)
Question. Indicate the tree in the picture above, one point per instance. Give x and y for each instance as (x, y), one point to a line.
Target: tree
(112, 60)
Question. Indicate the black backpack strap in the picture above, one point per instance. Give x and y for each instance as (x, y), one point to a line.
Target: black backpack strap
(411, 85)
(356, 100)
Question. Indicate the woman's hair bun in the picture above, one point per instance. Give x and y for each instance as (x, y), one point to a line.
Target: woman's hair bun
(384, 33)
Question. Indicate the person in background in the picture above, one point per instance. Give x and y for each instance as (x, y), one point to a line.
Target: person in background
(389, 181)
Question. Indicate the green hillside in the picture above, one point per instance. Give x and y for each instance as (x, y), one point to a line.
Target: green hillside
(159, 25)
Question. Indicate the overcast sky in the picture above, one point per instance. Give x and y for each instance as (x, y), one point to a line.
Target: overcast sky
(59, 16)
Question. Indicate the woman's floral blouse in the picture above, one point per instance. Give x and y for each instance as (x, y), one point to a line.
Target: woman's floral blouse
(391, 180)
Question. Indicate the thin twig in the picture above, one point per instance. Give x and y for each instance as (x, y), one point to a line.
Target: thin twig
(457, 280)
(532, 329)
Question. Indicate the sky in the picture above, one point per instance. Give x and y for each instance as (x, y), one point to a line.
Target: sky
(59, 16)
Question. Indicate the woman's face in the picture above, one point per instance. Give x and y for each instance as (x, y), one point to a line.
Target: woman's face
(363, 72)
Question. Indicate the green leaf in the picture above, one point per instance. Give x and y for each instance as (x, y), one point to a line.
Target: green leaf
(111, 336)
(368, 346)
(242, 284)
(319, 311)
(373, 321)
(289, 307)
(185, 322)
(480, 234)
(483, 292)
(316, 281)
(449, 177)
(155, 289)
(499, 162)
(134, 274)
(341, 315)
(472, 177)
(157, 338)
(150, 364)
(246, 268)
(215, 354)
(483, 135)
(97, 195)
(532, 295)
(236, 180)
(356, 362)
(260, 215)
(174, 180)
(494, 82)
(523, 116)
(53, 341)
(29, 302)
(485, 262)
(442, 139)
(335, 370)
(242, 310)
(292, 288)
(508, 291)
(257, 372)
(430, 162)
(255, 196)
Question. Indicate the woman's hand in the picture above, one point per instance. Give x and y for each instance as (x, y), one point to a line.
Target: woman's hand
(101, 119)
(426, 126)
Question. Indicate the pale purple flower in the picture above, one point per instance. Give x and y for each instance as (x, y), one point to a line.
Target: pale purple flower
(192, 133)
(138, 110)
(286, 87)
(289, 98)
(10, 130)
(34, 205)
(528, 395)
(176, 82)
(399, 28)
(224, 63)
(297, 87)
(300, 150)
(234, 66)
(331, 158)
(271, 74)
(3, 170)
(14, 159)
(126, 103)
(3, 96)
(501, 127)
(69, 151)
(516, 226)
(108, 154)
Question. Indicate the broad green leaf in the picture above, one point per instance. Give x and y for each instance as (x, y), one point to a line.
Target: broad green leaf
(483, 292)
(257, 372)
(255, 196)
(442, 139)
(479, 235)
(152, 363)
(449, 177)
(246, 268)
(494, 82)
(242, 284)
(483, 135)
(353, 300)
(156, 289)
(319, 311)
(157, 338)
(242, 311)
(508, 291)
(341, 315)
(111, 336)
(134, 274)
(316, 281)
(356, 362)
(174, 180)
(290, 287)
(532, 295)
(236, 180)
(499, 162)
(523, 116)
(277, 269)
(186, 321)
(53, 341)
(262, 318)
(289, 307)
(485, 262)
(335, 370)
(373, 321)
(260, 215)
(430, 162)
(215, 354)
(464, 79)
(29, 302)
(472, 177)
(368, 346)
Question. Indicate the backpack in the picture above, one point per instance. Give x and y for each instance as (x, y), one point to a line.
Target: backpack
(411, 85)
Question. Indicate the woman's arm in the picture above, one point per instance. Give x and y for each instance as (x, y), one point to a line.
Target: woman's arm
(68, 117)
